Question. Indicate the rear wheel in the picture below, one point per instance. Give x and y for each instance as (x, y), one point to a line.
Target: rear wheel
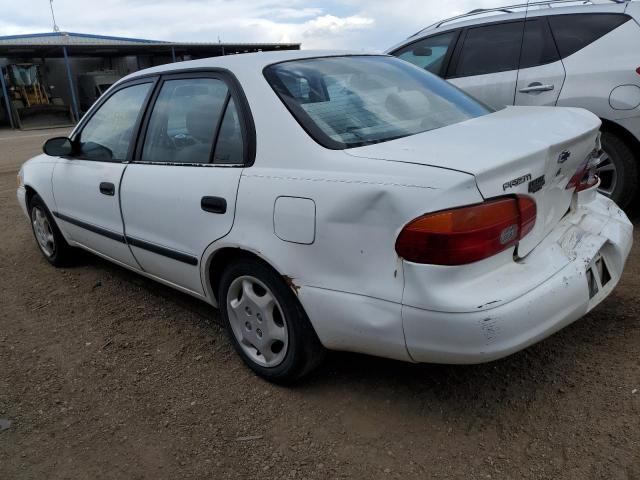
(618, 170)
(49, 238)
(266, 322)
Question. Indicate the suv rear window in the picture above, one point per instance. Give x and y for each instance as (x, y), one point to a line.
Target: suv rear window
(352, 101)
(575, 31)
(538, 47)
(490, 49)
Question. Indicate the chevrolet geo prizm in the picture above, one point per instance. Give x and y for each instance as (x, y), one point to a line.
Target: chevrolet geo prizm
(325, 200)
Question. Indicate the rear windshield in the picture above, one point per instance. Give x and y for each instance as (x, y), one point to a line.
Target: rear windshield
(345, 102)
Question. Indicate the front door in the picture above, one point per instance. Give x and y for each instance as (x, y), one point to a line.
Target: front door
(86, 186)
(179, 195)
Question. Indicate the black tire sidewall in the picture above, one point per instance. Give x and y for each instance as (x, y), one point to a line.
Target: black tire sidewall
(626, 168)
(301, 337)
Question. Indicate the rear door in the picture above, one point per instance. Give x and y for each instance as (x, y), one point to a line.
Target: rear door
(541, 74)
(485, 63)
(179, 194)
(86, 186)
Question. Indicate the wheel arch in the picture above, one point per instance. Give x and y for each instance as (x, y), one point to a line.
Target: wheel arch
(624, 134)
(218, 260)
(30, 192)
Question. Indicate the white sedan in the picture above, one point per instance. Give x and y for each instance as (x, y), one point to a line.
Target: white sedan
(340, 201)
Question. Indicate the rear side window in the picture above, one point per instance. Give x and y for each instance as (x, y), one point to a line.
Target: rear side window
(538, 47)
(575, 31)
(229, 147)
(185, 120)
(490, 49)
(429, 53)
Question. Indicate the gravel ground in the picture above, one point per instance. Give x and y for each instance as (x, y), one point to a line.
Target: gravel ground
(104, 374)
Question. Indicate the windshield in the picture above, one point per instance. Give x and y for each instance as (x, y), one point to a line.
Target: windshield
(352, 101)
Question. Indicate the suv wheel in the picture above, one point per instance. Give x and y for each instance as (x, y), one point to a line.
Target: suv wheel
(618, 170)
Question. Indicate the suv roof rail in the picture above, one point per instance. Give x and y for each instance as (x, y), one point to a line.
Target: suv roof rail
(512, 9)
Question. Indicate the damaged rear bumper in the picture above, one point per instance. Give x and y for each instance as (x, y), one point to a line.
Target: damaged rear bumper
(563, 278)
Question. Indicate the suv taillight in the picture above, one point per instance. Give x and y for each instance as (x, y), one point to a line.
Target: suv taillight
(586, 176)
(467, 234)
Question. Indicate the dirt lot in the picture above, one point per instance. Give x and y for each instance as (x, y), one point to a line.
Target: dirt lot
(104, 374)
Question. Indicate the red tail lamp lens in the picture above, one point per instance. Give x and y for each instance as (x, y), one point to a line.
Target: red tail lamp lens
(586, 176)
(468, 234)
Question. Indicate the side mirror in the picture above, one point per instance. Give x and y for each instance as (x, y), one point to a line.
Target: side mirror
(422, 51)
(58, 147)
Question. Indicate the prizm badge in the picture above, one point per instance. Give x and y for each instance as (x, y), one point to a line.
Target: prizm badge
(516, 181)
(536, 184)
(564, 156)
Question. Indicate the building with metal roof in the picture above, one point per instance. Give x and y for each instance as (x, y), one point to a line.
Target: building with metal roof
(68, 65)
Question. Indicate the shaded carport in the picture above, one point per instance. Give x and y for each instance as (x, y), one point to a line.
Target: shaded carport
(130, 54)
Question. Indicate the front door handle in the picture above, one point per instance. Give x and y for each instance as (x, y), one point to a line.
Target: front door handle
(536, 87)
(107, 188)
(213, 204)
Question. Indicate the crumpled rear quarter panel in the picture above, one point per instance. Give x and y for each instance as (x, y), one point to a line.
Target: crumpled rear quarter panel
(350, 279)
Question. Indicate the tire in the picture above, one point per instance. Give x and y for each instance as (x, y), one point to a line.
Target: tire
(624, 189)
(261, 311)
(49, 239)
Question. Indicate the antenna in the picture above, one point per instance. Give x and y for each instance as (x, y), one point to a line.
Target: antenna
(53, 16)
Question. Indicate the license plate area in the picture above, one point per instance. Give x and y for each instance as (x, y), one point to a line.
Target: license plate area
(597, 275)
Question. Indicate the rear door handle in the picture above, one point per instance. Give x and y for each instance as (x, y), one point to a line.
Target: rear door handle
(213, 204)
(536, 87)
(107, 188)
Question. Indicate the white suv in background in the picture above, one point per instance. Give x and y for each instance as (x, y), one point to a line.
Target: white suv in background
(562, 53)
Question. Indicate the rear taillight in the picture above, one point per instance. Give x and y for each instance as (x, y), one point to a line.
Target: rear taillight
(586, 176)
(467, 234)
(638, 70)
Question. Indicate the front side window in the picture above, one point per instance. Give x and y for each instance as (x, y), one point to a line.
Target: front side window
(108, 133)
(575, 31)
(490, 49)
(358, 100)
(429, 53)
(185, 120)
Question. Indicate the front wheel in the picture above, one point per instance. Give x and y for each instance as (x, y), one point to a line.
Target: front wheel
(266, 323)
(47, 234)
(618, 170)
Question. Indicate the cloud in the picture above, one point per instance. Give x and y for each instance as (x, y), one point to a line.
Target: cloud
(348, 24)
(330, 24)
(295, 13)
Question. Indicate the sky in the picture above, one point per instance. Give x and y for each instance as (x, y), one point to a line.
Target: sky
(369, 25)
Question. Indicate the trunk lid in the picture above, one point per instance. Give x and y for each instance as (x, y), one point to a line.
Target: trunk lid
(519, 150)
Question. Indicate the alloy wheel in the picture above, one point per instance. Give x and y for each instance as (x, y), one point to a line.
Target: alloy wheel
(608, 174)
